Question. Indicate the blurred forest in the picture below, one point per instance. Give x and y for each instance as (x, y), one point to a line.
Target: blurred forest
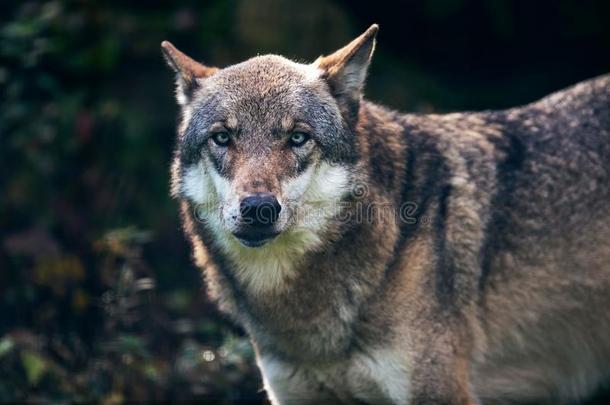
(99, 300)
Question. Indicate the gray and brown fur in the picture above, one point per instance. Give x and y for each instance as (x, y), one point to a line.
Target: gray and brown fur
(495, 289)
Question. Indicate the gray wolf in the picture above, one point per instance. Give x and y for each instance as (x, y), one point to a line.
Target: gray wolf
(380, 257)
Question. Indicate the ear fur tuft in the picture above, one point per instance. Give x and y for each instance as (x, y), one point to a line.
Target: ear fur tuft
(187, 71)
(345, 69)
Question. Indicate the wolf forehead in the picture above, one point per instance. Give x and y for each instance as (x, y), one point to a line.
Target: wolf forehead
(261, 97)
(264, 88)
(270, 75)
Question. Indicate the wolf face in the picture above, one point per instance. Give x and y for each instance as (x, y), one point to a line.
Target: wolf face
(266, 147)
(260, 137)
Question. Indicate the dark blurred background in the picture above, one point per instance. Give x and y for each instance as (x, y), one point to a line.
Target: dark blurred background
(99, 300)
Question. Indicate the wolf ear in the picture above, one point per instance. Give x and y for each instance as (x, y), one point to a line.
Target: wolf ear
(345, 69)
(187, 71)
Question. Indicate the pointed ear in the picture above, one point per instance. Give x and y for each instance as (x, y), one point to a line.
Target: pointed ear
(345, 70)
(187, 71)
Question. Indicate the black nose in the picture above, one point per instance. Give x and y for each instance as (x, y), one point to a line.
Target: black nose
(260, 209)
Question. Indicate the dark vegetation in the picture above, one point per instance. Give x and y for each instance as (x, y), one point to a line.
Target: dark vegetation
(98, 298)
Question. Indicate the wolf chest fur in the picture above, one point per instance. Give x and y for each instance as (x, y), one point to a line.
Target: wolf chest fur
(380, 257)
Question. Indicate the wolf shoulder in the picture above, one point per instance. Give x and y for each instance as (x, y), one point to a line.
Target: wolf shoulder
(590, 97)
(580, 114)
(565, 134)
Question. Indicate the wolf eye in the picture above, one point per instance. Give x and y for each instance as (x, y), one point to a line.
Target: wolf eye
(221, 138)
(298, 138)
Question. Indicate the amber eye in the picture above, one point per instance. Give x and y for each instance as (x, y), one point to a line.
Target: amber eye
(221, 138)
(298, 138)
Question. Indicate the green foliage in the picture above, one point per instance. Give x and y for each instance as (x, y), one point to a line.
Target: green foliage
(97, 308)
(35, 367)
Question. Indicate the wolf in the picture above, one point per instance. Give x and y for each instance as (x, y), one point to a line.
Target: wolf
(380, 257)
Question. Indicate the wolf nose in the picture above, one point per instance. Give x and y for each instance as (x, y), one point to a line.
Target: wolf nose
(260, 209)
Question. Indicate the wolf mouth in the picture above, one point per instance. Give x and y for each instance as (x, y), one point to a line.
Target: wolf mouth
(255, 239)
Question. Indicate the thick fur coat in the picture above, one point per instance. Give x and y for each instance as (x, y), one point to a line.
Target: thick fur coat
(460, 258)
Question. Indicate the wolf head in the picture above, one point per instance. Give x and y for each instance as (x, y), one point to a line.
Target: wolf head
(266, 148)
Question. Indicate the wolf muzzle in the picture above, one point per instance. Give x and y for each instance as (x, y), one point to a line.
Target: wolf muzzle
(259, 214)
(260, 210)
